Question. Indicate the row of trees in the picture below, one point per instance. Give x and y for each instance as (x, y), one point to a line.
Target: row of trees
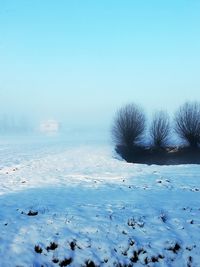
(129, 126)
(12, 124)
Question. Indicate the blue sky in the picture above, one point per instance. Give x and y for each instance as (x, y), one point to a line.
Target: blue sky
(81, 60)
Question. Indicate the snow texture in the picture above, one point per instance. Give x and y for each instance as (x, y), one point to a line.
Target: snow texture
(63, 205)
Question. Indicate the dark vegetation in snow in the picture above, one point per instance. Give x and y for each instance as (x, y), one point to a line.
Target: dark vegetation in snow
(38, 249)
(129, 131)
(52, 246)
(32, 213)
(167, 156)
(65, 262)
(132, 255)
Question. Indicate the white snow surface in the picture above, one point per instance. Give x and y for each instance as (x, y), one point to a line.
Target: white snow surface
(81, 205)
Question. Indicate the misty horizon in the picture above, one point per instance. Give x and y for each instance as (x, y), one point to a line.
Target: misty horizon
(79, 63)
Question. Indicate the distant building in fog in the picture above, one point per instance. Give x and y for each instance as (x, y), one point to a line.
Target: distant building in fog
(49, 126)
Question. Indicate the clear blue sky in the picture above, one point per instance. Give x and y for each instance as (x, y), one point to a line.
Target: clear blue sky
(87, 58)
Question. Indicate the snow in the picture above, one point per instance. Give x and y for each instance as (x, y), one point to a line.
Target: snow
(64, 204)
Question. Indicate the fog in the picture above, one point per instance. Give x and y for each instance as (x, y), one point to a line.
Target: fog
(76, 63)
(25, 111)
(68, 111)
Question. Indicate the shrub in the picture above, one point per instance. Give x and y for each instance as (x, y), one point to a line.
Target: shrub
(160, 129)
(187, 123)
(128, 126)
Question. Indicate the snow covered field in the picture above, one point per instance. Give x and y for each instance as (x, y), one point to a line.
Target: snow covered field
(79, 205)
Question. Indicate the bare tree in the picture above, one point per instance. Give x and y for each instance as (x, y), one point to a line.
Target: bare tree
(160, 129)
(129, 125)
(187, 123)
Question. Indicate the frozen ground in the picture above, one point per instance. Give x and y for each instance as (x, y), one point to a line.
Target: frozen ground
(78, 205)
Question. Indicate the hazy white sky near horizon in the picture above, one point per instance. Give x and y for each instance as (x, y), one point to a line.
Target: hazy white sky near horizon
(81, 60)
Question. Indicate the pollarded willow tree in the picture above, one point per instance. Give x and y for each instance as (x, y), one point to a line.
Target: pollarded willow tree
(129, 125)
(187, 123)
(160, 129)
